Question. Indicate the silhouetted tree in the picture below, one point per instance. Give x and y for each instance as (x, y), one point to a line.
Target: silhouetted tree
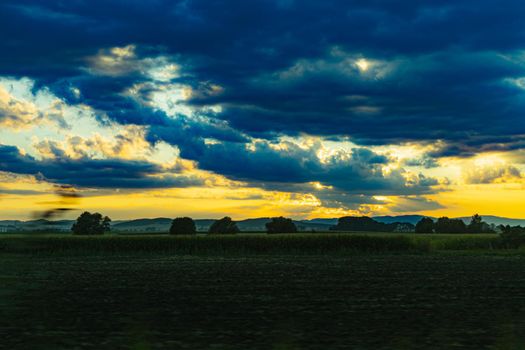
(281, 225)
(511, 230)
(425, 225)
(106, 224)
(183, 226)
(446, 225)
(504, 228)
(512, 236)
(224, 226)
(476, 224)
(91, 224)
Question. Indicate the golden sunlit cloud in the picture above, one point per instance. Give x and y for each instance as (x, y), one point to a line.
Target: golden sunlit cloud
(127, 144)
(119, 61)
(17, 113)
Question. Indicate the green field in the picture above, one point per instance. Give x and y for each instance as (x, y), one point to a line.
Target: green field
(261, 292)
(309, 243)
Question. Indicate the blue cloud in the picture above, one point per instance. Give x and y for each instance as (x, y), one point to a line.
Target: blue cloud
(97, 173)
(278, 166)
(450, 82)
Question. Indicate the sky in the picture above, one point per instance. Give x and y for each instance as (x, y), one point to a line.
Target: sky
(305, 109)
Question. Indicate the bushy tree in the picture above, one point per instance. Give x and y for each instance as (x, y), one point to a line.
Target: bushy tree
(446, 225)
(91, 224)
(281, 225)
(425, 225)
(106, 224)
(489, 228)
(183, 226)
(512, 236)
(476, 224)
(224, 226)
(511, 230)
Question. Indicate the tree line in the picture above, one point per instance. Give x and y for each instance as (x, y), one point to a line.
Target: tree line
(226, 225)
(447, 225)
(95, 224)
(476, 225)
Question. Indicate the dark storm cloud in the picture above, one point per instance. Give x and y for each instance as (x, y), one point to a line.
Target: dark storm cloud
(279, 167)
(473, 145)
(98, 173)
(451, 96)
(451, 61)
(437, 70)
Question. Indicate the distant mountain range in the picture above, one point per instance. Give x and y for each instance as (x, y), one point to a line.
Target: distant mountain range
(248, 225)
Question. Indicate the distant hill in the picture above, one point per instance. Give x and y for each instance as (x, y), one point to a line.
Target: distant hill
(253, 225)
(329, 222)
(143, 225)
(497, 220)
(36, 226)
(411, 219)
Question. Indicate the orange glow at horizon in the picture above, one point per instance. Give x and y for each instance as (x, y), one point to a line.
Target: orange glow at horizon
(488, 199)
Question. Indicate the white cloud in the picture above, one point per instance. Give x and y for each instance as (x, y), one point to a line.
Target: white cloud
(21, 108)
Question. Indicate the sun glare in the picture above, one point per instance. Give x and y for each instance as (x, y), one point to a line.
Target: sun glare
(363, 64)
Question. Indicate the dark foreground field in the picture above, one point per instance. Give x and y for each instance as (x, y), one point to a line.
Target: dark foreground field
(103, 299)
